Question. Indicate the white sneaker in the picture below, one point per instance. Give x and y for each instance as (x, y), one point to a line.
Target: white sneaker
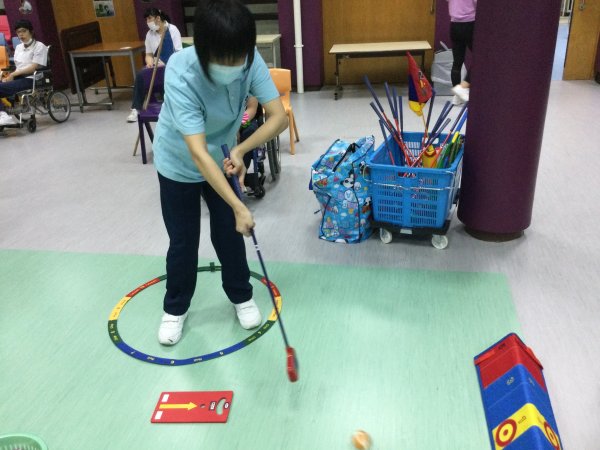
(461, 92)
(171, 329)
(132, 117)
(248, 314)
(456, 100)
(5, 119)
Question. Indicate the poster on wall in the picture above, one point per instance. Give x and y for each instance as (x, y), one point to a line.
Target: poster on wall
(25, 7)
(104, 8)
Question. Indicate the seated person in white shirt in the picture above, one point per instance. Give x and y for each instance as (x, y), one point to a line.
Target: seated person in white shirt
(157, 21)
(30, 55)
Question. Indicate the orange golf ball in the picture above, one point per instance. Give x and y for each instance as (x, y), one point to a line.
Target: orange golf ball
(361, 440)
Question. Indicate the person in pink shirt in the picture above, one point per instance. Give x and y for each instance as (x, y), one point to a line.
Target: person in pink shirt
(462, 25)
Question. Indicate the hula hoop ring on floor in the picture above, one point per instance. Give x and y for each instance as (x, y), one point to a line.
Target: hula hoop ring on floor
(116, 339)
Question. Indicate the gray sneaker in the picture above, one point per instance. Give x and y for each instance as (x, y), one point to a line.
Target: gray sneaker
(456, 100)
(248, 314)
(5, 119)
(171, 329)
(461, 92)
(132, 117)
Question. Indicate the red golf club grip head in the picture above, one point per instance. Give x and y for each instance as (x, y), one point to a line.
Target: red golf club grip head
(292, 364)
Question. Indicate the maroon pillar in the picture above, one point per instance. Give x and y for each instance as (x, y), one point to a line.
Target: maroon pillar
(442, 25)
(41, 17)
(510, 75)
(312, 37)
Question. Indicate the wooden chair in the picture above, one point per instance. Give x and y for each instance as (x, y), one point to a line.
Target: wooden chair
(283, 81)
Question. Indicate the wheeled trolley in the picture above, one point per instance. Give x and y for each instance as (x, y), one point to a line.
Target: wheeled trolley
(413, 201)
(438, 235)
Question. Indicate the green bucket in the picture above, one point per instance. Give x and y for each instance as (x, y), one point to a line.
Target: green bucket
(21, 442)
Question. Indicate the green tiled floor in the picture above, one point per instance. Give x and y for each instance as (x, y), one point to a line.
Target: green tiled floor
(387, 351)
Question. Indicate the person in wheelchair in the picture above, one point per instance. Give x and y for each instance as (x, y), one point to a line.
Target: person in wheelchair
(253, 181)
(30, 55)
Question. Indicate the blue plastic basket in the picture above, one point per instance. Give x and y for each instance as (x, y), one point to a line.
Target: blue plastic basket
(412, 197)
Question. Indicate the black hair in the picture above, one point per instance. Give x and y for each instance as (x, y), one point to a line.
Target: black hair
(155, 12)
(24, 23)
(223, 29)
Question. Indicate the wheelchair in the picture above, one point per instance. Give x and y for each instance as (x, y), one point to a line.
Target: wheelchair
(255, 178)
(40, 99)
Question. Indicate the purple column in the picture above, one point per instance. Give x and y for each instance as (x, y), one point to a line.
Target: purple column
(44, 29)
(442, 25)
(510, 75)
(312, 37)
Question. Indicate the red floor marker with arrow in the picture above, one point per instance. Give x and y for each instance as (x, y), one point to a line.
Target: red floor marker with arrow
(196, 407)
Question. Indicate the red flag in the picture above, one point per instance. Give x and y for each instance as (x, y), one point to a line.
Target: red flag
(419, 89)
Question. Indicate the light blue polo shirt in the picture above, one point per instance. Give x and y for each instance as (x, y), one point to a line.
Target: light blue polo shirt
(193, 105)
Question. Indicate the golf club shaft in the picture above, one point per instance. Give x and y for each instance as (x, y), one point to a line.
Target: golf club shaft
(394, 134)
(385, 141)
(264, 269)
(238, 192)
(392, 104)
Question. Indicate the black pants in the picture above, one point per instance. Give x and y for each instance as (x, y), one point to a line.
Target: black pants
(180, 203)
(461, 34)
(8, 89)
(139, 90)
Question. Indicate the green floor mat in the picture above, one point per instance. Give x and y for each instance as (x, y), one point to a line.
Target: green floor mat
(387, 351)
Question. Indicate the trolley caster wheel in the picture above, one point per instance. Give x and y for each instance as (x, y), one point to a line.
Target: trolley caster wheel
(31, 125)
(385, 236)
(439, 241)
(259, 192)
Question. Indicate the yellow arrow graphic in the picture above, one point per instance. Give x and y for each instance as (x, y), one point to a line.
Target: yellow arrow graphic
(187, 406)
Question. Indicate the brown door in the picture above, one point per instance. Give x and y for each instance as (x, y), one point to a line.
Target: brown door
(363, 21)
(583, 40)
(120, 27)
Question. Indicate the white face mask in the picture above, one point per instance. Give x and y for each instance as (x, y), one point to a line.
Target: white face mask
(225, 75)
(153, 26)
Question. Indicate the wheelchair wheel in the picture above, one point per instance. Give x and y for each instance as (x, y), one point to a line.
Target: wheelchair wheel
(31, 125)
(277, 156)
(274, 157)
(260, 191)
(59, 106)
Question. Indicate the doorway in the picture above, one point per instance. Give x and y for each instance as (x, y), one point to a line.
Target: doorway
(562, 39)
(582, 45)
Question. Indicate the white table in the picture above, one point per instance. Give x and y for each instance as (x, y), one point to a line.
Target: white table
(375, 50)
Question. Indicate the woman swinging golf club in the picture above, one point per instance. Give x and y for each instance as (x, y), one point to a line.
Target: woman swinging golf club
(205, 88)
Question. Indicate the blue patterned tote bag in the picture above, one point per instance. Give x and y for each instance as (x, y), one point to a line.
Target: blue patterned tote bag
(344, 194)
